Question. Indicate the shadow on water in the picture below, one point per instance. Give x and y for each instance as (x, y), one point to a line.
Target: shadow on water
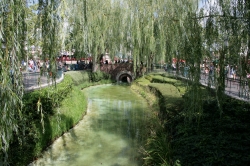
(111, 132)
(121, 83)
(29, 139)
(118, 119)
(124, 118)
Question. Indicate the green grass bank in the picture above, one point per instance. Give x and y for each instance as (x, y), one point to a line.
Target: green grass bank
(50, 112)
(209, 137)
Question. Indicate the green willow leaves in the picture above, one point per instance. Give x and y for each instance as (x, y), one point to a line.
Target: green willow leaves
(12, 35)
(148, 31)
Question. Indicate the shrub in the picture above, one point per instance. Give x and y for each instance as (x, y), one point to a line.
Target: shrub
(98, 76)
(31, 138)
(49, 97)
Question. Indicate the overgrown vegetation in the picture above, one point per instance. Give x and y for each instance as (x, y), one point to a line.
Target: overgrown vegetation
(210, 138)
(47, 114)
(144, 31)
(83, 79)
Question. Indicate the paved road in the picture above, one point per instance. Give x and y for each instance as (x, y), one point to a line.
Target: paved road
(33, 80)
(234, 88)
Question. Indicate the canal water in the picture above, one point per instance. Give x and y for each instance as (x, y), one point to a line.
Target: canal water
(110, 134)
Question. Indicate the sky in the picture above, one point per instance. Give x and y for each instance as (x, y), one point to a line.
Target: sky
(31, 2)
(202, 3)
(206, 4)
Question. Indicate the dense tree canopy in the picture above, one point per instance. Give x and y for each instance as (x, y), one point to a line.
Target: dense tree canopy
(144, 30)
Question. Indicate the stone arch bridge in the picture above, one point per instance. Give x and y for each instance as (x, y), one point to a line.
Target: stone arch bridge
(122, 72)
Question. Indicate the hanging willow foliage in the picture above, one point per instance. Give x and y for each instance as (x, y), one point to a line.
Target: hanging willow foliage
(50, 21)
(15, 34)
(157, 31)
(12, 35)
(152, 30)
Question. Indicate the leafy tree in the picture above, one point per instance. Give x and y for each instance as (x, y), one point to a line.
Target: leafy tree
(152, 31)
(12, 37)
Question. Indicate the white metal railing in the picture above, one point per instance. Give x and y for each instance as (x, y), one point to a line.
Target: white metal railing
(236, 88)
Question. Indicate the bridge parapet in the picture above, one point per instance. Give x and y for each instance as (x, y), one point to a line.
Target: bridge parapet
(115, 69)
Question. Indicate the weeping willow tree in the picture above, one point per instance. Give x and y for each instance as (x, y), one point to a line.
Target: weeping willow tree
(226, 32)
(191, 51)
(50, 21)
(15, 27)
(152, 31)
(12, 37)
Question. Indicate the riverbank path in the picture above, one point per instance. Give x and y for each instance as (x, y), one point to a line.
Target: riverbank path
(33, 80)
(235, 88)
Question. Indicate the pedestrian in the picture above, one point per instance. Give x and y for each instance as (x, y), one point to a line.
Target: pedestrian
(227, 69)
(211, 75)
(233, 72)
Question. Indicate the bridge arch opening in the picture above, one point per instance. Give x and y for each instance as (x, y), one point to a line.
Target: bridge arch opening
(125, 78)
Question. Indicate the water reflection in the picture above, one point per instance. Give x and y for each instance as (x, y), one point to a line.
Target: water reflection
(109, 134)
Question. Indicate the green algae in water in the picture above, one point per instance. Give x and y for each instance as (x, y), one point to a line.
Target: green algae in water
(110, 134)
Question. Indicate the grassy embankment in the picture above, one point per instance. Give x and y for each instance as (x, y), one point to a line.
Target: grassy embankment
(50, 112)
(211, 139)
